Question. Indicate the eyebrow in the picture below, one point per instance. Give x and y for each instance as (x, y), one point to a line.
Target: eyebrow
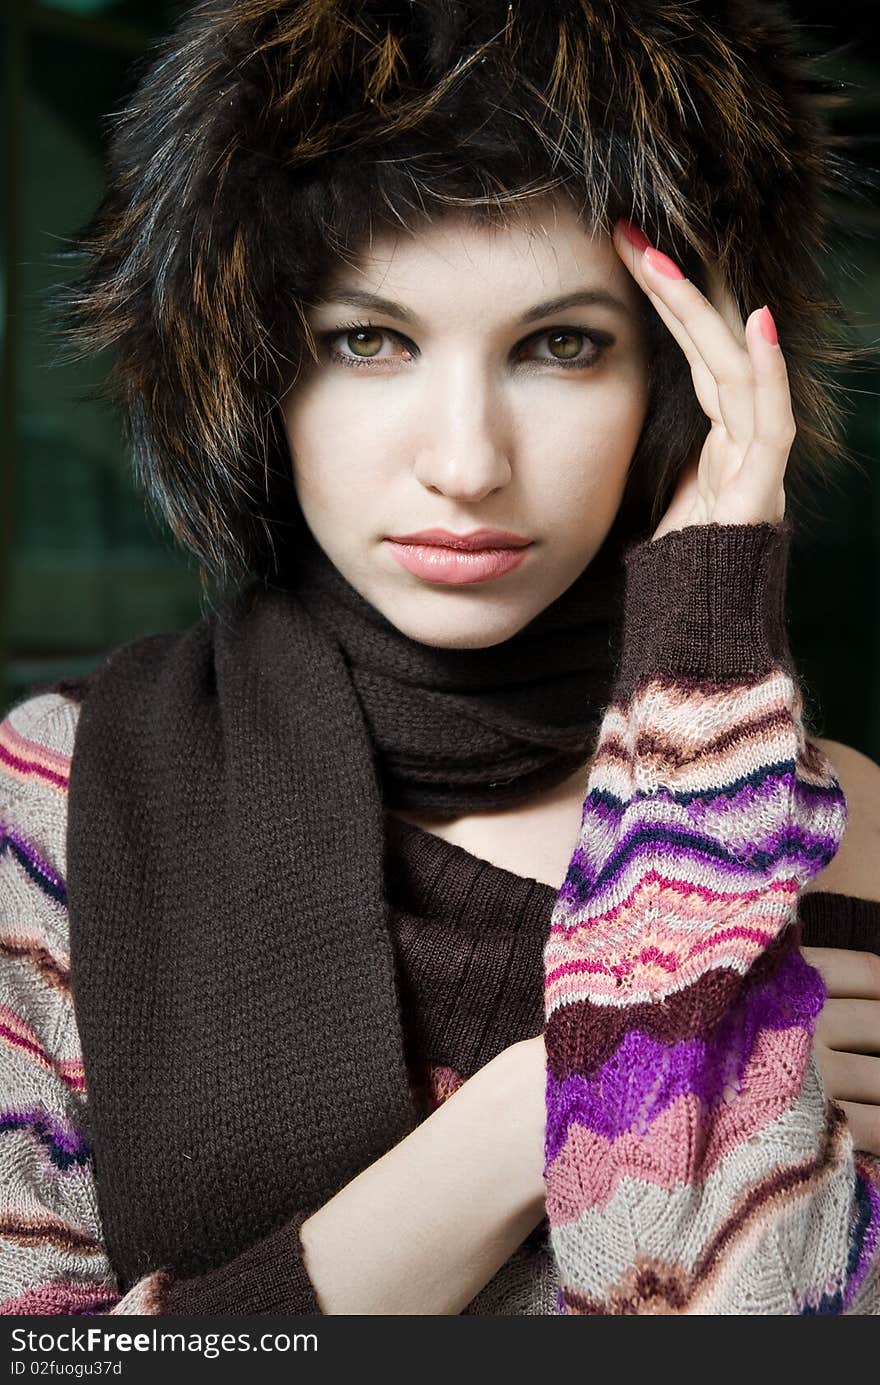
(590, 298)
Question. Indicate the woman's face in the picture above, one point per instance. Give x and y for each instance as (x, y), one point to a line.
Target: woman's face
(467, 400)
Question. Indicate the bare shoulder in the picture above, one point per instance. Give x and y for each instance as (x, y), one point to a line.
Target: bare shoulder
(855, 870)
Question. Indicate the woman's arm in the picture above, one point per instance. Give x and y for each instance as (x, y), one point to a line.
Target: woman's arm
(693, 1162)
(425, 1227)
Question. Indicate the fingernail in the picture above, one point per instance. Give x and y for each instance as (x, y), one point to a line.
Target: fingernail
(768, 326)
(663, 263)
(633, 234)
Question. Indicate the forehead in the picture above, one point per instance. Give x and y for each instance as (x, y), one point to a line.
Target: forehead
(537, 252)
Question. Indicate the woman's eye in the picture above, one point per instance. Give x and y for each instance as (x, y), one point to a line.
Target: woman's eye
(572, 347)
(369, 341)
(363, 342)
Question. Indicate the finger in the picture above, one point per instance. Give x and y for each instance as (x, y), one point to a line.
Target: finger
(849, 1076)
(724, 356)
(721, 296)
(854, 975)
(864, 1125)
(773, 419)
(704, 381)
(850, 1026)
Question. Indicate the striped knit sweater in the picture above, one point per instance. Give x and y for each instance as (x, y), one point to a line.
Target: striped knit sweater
(693, 1164)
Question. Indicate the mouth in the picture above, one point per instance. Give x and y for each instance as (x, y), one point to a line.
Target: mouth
(438, 556)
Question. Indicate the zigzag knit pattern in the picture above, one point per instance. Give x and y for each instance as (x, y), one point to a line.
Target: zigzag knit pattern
(692, 1162)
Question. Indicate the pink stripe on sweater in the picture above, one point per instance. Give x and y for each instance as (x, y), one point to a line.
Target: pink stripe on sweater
(666, 959)
(19, 1035)
(725, 903)
(60, 1298)
(25, 759)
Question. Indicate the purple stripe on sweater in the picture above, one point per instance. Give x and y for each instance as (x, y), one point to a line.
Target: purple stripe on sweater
(870, 1238)
(66, 1146)
(807, 852)
(644, 1076)
(789, 837)
(39, 870)
(742, 795)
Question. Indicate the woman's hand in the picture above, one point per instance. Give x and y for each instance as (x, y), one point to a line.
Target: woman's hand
(741, 383)
(847, 1039)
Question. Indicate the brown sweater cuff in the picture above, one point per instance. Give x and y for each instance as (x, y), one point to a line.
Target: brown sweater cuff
(839, 920)
(705, 603)
(269, 1278)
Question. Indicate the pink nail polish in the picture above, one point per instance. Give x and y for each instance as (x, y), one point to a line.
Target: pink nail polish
(663, 263)
(768, 326)
(633, 234)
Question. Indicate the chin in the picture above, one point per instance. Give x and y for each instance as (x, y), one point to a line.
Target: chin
(460, 628)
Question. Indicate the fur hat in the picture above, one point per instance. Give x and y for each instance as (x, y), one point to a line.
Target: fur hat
(268, 137)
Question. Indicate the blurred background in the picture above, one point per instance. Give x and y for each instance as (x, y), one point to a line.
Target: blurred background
(84, 566)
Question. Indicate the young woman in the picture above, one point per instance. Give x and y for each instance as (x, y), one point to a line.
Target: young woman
(421, 931)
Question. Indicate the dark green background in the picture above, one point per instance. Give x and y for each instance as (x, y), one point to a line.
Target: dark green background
(82, 566)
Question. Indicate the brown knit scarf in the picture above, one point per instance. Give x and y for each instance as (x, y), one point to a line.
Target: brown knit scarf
(232, 971)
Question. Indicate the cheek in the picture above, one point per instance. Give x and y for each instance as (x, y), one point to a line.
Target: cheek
(585, 443)
(335, 461)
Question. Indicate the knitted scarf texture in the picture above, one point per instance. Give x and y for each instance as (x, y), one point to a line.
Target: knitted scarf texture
(233, 972)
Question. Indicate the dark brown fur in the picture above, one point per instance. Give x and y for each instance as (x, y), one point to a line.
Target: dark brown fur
(252, 153)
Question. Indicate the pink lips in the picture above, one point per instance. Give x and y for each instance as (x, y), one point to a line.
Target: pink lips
(458, 559)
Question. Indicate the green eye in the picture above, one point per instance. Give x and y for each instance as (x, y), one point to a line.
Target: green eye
(571, 343)
(364, 336)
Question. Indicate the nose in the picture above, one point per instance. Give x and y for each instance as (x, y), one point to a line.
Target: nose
(467, 457)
